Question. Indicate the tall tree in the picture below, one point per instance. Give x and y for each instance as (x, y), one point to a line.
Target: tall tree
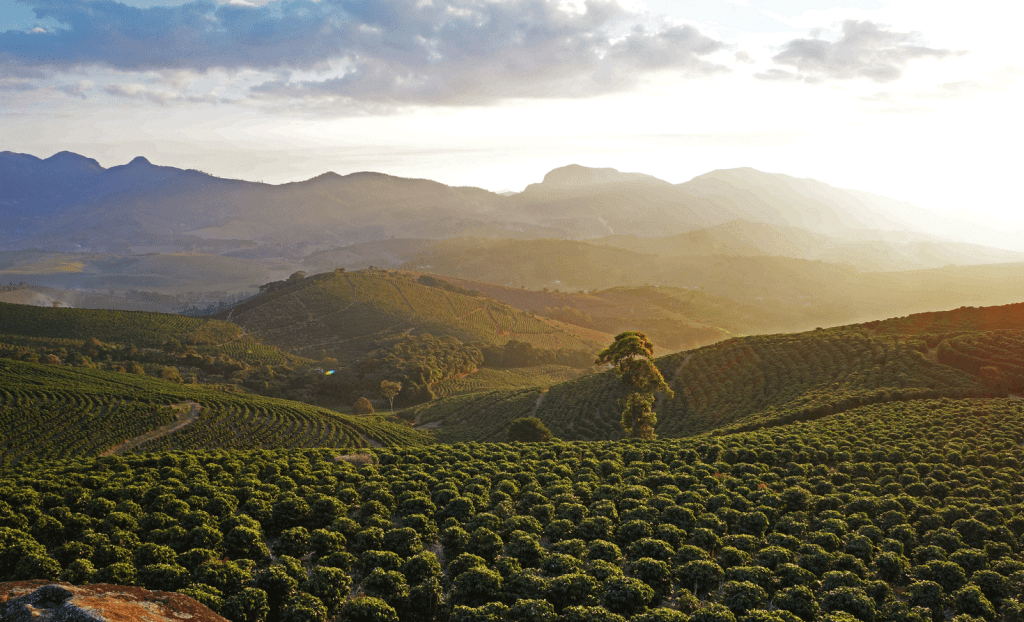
(630, 354)
(389, 390)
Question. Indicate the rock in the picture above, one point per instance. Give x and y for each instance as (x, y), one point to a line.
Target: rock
(41, 601)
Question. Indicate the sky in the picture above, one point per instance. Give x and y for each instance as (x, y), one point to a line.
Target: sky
(911, 99)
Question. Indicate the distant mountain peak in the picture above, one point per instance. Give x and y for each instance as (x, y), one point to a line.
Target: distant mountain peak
(139, 160)
(575, 176)
(70, 158)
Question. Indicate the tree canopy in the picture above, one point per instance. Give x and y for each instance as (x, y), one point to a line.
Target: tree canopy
(630, 354)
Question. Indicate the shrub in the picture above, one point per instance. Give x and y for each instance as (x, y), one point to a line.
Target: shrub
(589, 614)
(798, 600)
(971, 601)
(119, 574)
(851, 600)
(626, 595)
(742, 596)
(713, 612)
(330, 585)
(304, 608)
(703, 575)
(491, 612)
(78, 572)
(368, 609)
(164, 577)
(528, 430)
(205, 595)
(362, 406)
(475, 587)
(249, 605)
(572, 590)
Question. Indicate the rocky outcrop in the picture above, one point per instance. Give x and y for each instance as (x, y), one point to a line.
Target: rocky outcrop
(32, 601)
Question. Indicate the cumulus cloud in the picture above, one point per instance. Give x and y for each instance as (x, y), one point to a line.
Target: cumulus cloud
(390, 51)
(865, 50)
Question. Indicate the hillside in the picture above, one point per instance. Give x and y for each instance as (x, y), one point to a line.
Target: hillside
(886, 512)
(802, 294)
(770, 380)
(870, 251)
(51, 412)
(346, 314)
(674, 318)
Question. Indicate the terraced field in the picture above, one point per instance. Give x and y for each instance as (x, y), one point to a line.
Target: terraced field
(140, 328)
(54, 412)
(742, 383)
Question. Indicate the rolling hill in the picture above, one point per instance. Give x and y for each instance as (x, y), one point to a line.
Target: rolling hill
(346, 314)
(49, 412)
(770, 380)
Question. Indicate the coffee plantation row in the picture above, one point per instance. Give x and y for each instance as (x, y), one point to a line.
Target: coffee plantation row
(742, 383)
(58, 412)
(897, 512)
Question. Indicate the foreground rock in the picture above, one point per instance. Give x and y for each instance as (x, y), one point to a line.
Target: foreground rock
(60, 602)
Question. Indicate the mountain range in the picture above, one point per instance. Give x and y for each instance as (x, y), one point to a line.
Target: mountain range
(70, 203)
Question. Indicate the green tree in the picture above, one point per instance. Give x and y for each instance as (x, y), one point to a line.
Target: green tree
(362, 406)
(630, 354)
(389, 390)
(528, 430)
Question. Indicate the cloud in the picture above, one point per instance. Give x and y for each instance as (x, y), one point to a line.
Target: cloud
(388, 51)
(865, 50)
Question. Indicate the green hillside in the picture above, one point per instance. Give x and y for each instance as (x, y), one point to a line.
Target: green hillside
(886, 513)
(60, 412)
(140, 328)
(345, 314)
(742, 383)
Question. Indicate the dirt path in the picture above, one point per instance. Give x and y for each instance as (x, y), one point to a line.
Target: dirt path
(185, 417)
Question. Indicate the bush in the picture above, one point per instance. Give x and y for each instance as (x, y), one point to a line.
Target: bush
(249, 605)
(971, 601)
(362, 406)
(573, 590)
(330, 585)
(422, 566)
(388, 585)
(589, 614)
(661, 615)
(626, 595)
(798, 600)
(742, 596)
(164, 577)
(491, 612)
(228, 577)
(713, 612)
(851, 600)
(205, 595)
(78, 572)
(532, 610)
(304, 608)
(476, 587)
(703, 576)
(276, 583)
(368, 609)
(528, 430)
(118, 574)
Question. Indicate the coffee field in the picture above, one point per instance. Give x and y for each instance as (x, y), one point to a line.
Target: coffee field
(903, 512)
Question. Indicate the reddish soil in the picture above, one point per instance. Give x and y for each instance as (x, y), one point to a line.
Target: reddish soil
(114, 603)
